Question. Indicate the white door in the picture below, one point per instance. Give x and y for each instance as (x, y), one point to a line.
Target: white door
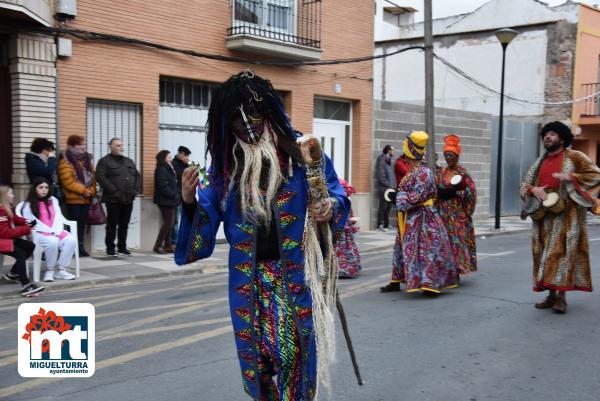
(334, 137)
(106, 120)
(183, 126)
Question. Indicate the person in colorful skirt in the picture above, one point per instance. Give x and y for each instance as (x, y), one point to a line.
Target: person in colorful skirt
(423, 256)
(262, 188)
(346, 249)
(561, 260)
(456, 205)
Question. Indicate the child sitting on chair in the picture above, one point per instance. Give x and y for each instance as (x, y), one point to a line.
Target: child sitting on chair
(48, 232)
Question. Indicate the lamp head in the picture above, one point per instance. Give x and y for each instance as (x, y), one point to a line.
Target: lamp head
(505, 35)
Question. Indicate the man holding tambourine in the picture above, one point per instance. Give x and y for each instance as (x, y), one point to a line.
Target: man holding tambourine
(558, 189)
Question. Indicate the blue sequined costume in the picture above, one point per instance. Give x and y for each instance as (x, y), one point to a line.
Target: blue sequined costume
(270, 305)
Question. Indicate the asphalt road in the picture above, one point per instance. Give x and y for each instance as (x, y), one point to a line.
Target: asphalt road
(172, 340)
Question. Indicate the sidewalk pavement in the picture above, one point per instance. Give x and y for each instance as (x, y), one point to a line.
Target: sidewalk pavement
(101, 270)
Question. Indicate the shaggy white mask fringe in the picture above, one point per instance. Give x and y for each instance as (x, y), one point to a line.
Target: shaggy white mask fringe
(255, 207)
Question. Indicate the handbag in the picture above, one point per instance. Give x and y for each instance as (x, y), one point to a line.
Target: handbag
(96, 215)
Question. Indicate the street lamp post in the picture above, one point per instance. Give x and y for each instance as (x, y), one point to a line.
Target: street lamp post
(505, 36)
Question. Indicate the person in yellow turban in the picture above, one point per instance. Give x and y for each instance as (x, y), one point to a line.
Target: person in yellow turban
(423, 258)
(456, 202)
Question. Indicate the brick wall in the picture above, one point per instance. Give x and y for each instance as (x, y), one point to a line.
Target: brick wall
(126, 73)
(560, 60)
(393, 121)
(33, 102)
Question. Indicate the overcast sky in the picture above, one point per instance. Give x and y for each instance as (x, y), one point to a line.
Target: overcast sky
(444, 8)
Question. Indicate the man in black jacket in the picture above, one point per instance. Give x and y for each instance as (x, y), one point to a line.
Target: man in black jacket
(385, 179)
(180, 162)
(121, 182)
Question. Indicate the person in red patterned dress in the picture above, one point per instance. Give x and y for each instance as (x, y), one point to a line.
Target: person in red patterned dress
(346, 249)
(456, 205)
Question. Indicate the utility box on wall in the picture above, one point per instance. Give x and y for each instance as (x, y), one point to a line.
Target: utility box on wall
(65, 47)
(66, 8)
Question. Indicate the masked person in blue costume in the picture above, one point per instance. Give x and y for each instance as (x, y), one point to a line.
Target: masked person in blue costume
(263, 186)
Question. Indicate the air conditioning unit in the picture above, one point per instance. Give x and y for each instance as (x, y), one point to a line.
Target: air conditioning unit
(66, 8)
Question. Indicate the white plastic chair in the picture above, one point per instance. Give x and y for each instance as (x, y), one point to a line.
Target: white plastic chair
(39, 250)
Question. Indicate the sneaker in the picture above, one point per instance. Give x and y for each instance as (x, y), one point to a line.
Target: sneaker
(14, 277)
(381, 228)
(64, 275)
(124, 251)
(49, 276)
(111, 252)
(83, 253)
(30, 289)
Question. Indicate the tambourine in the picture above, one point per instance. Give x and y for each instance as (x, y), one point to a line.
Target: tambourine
(390, 195)
(457, 181)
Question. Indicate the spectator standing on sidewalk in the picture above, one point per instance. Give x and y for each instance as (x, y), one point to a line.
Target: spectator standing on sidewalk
(12, 228)
(385, 179)
(121, 182)
(41, 161)
(400, 169)
(78, 184)
(49, 232)
(180, 163)
(167, 196)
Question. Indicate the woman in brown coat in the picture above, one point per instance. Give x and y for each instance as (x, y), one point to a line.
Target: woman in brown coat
(77, 180)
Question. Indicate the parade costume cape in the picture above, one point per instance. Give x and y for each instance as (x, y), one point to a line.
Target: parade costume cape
(560, 241)
(423, 257)
(196, 240)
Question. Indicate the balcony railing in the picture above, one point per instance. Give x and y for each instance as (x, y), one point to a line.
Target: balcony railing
(591, 106)
(295, 22)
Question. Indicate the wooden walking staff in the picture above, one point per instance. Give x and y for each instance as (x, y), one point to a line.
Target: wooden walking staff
(312, 154)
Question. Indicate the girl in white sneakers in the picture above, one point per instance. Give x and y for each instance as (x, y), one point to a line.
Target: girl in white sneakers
(59, 245)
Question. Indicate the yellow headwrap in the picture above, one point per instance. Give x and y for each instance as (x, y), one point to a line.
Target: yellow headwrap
(414, 145)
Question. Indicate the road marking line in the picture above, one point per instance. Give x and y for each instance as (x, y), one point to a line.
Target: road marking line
(8, 303)
(9, 360)
(148, 309)
(169, 328)
(123, 328)
(157, 318)
(98, 305)
(495, 254)
(364, 286)
(12, 357)
(118, 360)
(594, 239)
